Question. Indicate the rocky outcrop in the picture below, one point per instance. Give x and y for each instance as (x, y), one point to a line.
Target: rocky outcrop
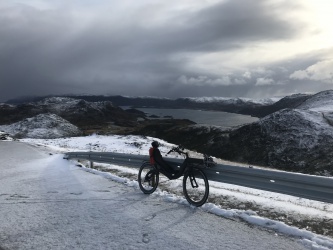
(5, 136)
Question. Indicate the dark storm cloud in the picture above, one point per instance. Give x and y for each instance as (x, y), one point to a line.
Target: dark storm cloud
(53, 51)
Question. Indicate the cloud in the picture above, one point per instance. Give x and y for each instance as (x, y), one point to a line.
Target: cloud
(247, 75)
(264, 81)
(137, 47)
(320, 71)
(224, 80)
(299, 74)
(205, 81)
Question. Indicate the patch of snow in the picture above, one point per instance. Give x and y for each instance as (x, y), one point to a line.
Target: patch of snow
(5, 136)
(6, 105)
(147, 97)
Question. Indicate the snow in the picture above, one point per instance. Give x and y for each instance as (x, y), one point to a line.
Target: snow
(42, 126)
(5, 136)
(265, 101)
(170, 191)
(321, 102)
(59, 105)
(147, 97)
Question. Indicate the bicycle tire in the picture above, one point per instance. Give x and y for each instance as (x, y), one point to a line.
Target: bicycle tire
(148, 178)
(196, 187)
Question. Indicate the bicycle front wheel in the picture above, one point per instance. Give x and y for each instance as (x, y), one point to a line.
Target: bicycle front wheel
(196, 187)
(148, 178)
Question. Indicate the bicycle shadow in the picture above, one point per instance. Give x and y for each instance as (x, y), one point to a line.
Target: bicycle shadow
(174, 215)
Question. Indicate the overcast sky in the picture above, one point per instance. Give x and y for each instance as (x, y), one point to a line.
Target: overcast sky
(175, 48)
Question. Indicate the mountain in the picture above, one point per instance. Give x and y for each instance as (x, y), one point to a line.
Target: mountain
(234, 105)
(294, 133)
(47, 126)
(291, 101)
(321, 102)
(79, 112)
(246, 106)
(298, 138)
(290, 139)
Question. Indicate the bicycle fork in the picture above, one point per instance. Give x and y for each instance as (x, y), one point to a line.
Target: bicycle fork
(151, 177)
(194, 183)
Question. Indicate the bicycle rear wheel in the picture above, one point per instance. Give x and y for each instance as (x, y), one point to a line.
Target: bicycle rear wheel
(196, 187)
(148, 178)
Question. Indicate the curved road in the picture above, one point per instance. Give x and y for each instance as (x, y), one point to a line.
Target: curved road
(46, 203)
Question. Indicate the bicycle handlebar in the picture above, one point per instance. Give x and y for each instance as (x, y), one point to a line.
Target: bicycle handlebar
(178, 150)
(208, 160)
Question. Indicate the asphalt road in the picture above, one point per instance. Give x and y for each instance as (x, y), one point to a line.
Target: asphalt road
(46, 203)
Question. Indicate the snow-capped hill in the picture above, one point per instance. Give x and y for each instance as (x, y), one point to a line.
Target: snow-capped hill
(5, 105)
(77, 111)
(147, 97)
(57, 100)
(207, 99)
(234, 101)
(321, 102)
(265, 101)
(59, 105)
(301, 129)
(291, 139)
(46, 126)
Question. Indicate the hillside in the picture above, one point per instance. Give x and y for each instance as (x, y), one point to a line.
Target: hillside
(46, 126)
(296, 139)
(84, 114)
(233, 105)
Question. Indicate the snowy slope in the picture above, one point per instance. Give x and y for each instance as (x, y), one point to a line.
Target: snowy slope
(321, 102)
(305, 129)
(42, 126)
(60, 105)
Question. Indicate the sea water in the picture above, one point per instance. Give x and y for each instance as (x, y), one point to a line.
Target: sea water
(203, 117)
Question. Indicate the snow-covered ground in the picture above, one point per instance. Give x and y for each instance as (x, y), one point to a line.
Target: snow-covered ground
(311, 221)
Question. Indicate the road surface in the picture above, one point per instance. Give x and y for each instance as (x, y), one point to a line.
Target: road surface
(47, 203)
